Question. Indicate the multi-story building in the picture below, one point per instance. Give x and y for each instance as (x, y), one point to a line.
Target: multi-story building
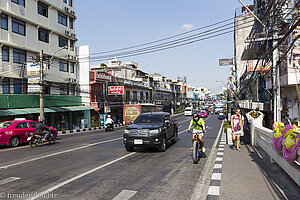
(28, 27)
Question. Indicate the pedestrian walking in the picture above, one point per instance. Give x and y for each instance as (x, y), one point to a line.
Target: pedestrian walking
(237, 128)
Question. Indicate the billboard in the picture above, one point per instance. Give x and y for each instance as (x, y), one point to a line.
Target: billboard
(33, 85)
(261, 67)
(103, 76)
(116, 90)
(131, 112)
(34, 69)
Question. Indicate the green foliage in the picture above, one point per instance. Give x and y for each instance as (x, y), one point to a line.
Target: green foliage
(227, 124)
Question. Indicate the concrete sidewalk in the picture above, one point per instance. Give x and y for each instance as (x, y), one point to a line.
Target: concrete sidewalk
(248, 174)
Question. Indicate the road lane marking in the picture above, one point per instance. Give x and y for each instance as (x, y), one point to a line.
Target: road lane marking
(125, 195)
(216, 176)
(220, 154)
(214, 190)
(58, 153)
(218, 166)
(219, 159)
(8, 180)
(81, 175)
(198, 191)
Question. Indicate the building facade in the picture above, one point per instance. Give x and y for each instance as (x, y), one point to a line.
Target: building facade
(27, 27)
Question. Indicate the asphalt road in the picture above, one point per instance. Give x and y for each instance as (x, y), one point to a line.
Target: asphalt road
(95, 165)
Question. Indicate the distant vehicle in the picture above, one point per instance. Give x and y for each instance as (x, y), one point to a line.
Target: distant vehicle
(219, 108)
(13, 133)
(221, 116)
(188, 111)
(203, 113)
(151, 130)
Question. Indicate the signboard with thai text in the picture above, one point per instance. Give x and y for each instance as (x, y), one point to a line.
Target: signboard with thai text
(103, 76)
(33, 85)
(225, 62)
(34, 69)
(261, 67)
(119, 90)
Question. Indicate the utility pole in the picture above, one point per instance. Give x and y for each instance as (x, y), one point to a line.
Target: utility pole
(275, 71)
(42, 107)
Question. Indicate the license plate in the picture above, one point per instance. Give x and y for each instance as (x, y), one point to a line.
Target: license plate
(138, 141)
(29, 138)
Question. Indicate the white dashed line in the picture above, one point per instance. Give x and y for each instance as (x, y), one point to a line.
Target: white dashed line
(214, 190)
(8, 180)
(216, 176)
(220, 154)
(125, 195)
(218, 166)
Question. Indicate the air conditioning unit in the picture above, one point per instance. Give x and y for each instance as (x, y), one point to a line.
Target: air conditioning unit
(68, 56)
(74, 80)
(72, 12)
(74, 57)
(67, 32)
(68, 79)
(73, 35)
(66, 9)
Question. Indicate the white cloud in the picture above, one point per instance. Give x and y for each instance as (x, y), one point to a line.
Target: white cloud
(187, 26)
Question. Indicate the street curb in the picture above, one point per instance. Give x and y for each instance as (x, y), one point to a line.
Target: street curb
(201, 188)
(84, 130)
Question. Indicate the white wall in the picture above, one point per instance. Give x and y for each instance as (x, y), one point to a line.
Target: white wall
(83, 53)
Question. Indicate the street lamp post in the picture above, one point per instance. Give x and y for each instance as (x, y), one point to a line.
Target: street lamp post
(64, 47)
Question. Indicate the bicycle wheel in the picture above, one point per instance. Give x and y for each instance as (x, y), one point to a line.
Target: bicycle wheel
(196, 152)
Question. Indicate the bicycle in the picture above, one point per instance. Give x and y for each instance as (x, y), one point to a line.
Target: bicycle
(197, 148)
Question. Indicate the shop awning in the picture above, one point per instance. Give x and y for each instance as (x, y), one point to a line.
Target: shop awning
(27, 111)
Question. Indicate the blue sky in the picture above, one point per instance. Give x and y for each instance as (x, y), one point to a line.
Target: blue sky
(112, 24)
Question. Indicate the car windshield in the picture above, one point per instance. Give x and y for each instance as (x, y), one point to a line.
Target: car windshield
(203, 112)
(188, 109)
(5, 124)
(148, 119)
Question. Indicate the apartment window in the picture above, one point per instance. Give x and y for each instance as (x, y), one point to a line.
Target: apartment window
(62, 41)
(71, 3)
(42, 9)
(62, 19)
(71, 45)
(71, 23)
(20, 2)
(65, 1)
(127, 97)
(5, 53)
(72, 90)
(18, 26)
(72, 67)
(43, 35)
(64, 89)
(141, 95)
(17, 86)
(4, 21)
(19, 56)
(6, 86)
(63, 66)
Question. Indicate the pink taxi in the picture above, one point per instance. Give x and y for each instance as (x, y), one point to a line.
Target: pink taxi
(13, 133)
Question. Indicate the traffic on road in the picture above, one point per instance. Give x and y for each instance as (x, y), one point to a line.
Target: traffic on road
(95, 165)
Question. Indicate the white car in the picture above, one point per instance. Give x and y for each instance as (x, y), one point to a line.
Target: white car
(188, 111)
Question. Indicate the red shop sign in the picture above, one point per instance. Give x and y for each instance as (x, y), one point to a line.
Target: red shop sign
(116, 90)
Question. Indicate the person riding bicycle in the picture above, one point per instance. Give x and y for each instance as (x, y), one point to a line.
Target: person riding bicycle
(42, 130)
(199, 127)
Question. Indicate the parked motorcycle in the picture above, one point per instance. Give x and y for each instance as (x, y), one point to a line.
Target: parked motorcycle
(35, 139)
(109, 127)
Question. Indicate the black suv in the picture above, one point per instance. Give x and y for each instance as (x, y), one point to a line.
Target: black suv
(151, 130)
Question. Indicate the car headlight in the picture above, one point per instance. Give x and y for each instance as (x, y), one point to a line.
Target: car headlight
(126, 131)
(154, 131)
